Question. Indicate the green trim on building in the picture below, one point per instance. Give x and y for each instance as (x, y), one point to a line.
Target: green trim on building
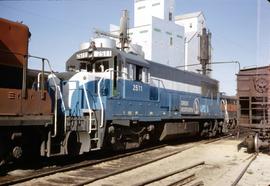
(155, 4)
(157, 30)
(143, 31)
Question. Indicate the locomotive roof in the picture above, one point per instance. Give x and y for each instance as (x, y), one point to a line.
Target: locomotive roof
(172, 73)
(156, 69)
(134, 59)
(130, 57)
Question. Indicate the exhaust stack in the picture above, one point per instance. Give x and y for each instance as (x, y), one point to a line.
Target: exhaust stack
(123, 35)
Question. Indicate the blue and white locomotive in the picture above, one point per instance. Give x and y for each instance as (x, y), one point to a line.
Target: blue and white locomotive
(112, 98)
(108, 97)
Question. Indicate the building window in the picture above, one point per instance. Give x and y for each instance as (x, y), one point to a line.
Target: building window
(157, 29)
(190, 25)
(143, 31)
(169, 33)
(141, 7)
(179, 36)
(170, 16)
(171, 41)
(155, 4)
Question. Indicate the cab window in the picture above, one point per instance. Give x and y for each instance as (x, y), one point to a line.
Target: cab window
(139, 72)
(101, 66)
(131, 71)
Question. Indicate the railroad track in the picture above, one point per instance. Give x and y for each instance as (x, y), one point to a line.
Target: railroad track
(89, 172)
(10, 180)
(244, 170)
(182, 181)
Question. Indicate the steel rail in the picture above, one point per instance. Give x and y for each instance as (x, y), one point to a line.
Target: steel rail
(183, 180)
(199, 183)
(95, 162)
(77, 166)
(132, 167)
(147, 162)
(239, 177)
(149, 181)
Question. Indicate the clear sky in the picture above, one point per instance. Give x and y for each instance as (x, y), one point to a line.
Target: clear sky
(240, 29)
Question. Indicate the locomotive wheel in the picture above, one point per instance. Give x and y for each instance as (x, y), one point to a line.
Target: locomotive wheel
(256, 142)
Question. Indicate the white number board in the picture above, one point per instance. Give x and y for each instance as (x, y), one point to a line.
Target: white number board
(104, 53)
(82, 55)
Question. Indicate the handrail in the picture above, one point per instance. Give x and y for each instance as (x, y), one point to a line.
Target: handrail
(162, 84)
(100, 100)
(89, 108)
(159, 80)
(38, 83)
(57, 88)
(226, 115)
(124, 82)
(55, 84)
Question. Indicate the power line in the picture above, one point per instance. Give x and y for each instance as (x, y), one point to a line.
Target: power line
(214, 63)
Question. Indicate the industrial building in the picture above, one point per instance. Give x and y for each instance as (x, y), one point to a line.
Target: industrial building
(165, 38)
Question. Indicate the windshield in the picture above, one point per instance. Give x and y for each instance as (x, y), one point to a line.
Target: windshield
(95, 66)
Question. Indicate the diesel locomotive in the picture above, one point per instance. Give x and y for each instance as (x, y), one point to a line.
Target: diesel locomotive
(108, 97)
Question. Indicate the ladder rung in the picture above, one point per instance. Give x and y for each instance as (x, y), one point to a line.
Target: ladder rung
(94, 139)
(95, 149)
(86, 111)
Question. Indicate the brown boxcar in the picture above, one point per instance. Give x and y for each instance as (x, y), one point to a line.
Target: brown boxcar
(253, 92)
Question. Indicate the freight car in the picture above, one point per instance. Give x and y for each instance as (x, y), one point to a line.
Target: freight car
(25, 113)
(107, 98)
(254, 106)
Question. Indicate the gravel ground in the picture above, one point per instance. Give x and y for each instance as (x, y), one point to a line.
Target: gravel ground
(223, 163)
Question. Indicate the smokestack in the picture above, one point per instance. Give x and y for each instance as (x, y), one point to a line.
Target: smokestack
(123, 35)
(205, 49)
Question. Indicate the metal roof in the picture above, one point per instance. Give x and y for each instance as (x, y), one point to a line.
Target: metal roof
(255, 68)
